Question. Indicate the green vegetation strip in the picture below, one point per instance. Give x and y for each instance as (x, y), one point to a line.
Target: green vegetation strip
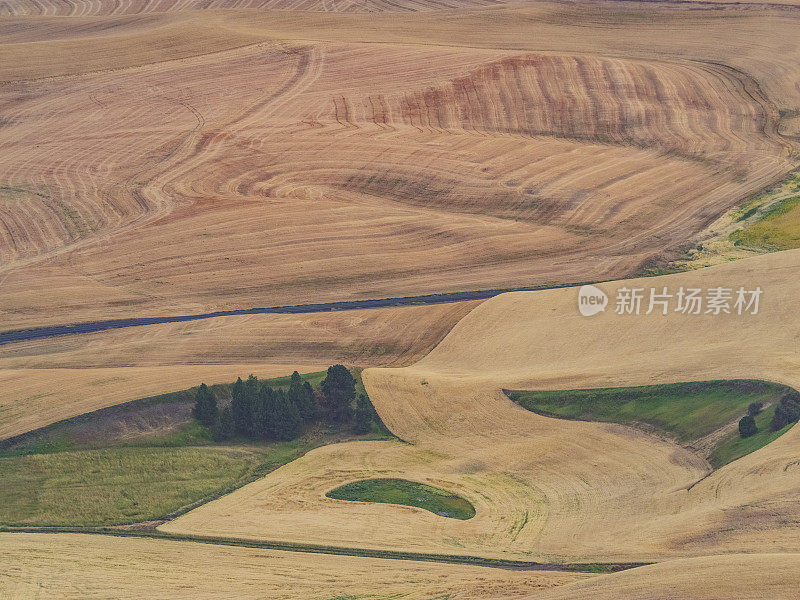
(116, 485)
(685, 411)
(500, 563)
(147, 460)
(406, 493)
(734, 447)
(778, 228)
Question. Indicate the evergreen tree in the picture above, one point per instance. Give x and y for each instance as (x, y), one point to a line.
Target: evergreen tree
(747, 426)
(205, 406)
(251, 408)
(787, 411)
(278, 417)
(363, 416)
(339, 391)
(260, 417)
(239, 408)
(309, 401)
(224, 427)
(302, 396)
(287, 423)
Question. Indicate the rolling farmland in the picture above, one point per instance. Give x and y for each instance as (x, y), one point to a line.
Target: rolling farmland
(161, 158)
(545, 487)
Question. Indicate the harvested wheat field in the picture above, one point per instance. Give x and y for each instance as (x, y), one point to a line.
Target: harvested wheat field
(741, 576)
(281, 169)
(52, 379)
(177, 158)
(543, 487)
(82, 566)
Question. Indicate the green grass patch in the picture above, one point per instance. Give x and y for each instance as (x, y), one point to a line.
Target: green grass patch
(406, 493)
(684, 411)
(777, 229)
(734, 447)
(115, 485)
(142, 460)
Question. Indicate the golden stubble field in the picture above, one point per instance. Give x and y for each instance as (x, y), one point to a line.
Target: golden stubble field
(80, 567)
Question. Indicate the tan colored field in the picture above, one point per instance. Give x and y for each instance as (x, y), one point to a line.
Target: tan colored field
(261, 164)
(163, 157)
(79, 567)
(53, 379)
(34, 398)
(545, 487)
(737, 576)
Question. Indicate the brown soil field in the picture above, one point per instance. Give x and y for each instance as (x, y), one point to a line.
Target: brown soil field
(92, 566)
(548, 488)
(275, 156)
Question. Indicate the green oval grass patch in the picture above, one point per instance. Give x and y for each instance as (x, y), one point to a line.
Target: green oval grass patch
(406, 493)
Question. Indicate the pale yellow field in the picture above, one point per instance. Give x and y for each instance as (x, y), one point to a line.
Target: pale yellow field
(544, 487)
(80, 567)
(53, 379)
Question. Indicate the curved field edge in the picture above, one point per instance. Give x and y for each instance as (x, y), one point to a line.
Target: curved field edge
(700, 415)
(455, 559)
(767, 221)
(77, 567)
(145, 460)
(405, 493)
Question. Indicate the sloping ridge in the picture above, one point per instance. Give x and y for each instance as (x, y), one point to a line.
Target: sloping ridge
(552, 489)
(538, 340)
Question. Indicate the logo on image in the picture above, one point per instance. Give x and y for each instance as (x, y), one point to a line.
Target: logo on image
(591, 300)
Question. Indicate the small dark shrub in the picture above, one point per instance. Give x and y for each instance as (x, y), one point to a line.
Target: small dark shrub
(747, 426)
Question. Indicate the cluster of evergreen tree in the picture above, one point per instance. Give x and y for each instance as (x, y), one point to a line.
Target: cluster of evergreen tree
(787, 411)
(259, 411)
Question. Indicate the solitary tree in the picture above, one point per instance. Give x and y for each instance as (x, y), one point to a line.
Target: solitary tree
(339, 390)
(205, 406)
(755, 408)
(363, 416)
(747, 426)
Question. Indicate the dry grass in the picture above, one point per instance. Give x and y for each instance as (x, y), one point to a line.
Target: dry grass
(80, 567)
